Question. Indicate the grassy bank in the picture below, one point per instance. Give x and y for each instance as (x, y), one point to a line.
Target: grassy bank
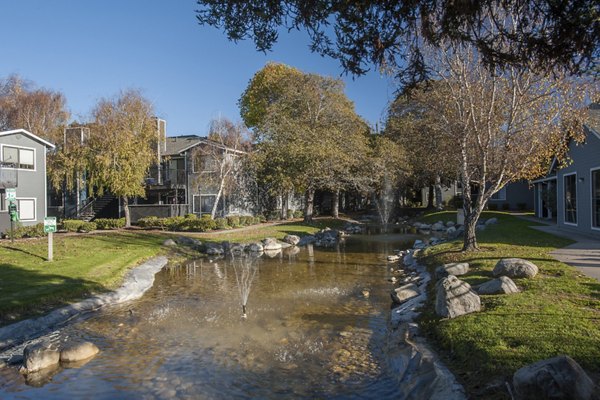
(557, 312)
(83, 264)
(259, 232)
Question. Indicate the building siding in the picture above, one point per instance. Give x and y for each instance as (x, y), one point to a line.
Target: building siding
(585, 157)
(31, 183)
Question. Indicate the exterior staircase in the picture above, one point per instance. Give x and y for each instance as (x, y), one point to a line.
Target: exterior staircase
(98, 208)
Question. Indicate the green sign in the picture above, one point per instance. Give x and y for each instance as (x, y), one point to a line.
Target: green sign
(50, 224)
(11, 194)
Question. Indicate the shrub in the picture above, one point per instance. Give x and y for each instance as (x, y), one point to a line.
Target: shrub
(492, 207)
(87, 227)
(110, 223)
(298, 214)
(456, 202)
(199, 224)
(233, 221)
(150, 222)
(262, 218)
(505, 206)
(274, 215)
(175, 223)
(246, 220)
(522, 206)
(72, 225)
(257, 220)
(32, 231)
(191, 216)
(221, 223)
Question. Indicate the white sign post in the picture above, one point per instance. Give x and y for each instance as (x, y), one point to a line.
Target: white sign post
(50, 228)
(11, 194)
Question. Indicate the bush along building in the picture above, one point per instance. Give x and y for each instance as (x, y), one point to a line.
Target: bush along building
(23, 175)
(571, 195)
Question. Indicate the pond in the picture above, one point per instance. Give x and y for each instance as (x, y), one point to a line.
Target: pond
(317, 326)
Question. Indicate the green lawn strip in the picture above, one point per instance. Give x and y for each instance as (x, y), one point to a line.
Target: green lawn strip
(83, 264)
(276, 231)
(558, 312)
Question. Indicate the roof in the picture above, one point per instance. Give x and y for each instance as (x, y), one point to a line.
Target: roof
(594, 119)
(176, 145)
(31, 135)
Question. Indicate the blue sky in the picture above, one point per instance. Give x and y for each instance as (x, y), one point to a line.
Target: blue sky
(92, 49)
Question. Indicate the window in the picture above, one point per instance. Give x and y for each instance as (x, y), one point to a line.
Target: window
(570, 189)
(500, 194)
(204, 163)
(26, 209)
(203, 204)
(19, 157)
(596, 198)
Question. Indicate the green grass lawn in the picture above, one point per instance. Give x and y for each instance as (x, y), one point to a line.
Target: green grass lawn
(557, 312)
(83, 264)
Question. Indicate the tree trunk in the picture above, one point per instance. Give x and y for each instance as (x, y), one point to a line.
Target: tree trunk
(430, 197)
(309, 206)
(438, 193)
(335, 204)
(126, 209)
(284, 206)
(213, 212)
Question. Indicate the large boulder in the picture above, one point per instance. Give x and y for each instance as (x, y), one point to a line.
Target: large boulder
(40, 356)
(271, 244)
(404, 293)
(292, 239)
(502, 285)
(451, 231)
(77, 351)
(255, 247)
(515, 268)
(456, 269)
(169, 243)
(491, 221)
(450, 223)
(555, 378)
(213, 249)
(188, 241)
(455, 297)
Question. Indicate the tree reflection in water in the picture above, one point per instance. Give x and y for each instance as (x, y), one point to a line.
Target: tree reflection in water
(245, 267)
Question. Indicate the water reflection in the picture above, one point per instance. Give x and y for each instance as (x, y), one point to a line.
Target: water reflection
(311, 331)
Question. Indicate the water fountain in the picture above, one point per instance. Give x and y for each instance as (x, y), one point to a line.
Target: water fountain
(245, 268)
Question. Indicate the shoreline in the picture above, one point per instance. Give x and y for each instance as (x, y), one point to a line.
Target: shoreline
(136, 282)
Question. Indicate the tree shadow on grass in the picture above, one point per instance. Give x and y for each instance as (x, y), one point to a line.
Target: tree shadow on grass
(24, 252)
(26, 293)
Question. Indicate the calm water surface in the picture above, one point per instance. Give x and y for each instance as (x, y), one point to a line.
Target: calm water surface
(310, 331)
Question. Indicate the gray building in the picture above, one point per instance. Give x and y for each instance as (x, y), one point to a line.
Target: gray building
(571, 195)
(23, 167)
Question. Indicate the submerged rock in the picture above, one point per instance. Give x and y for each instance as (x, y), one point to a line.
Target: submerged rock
(502, 285)
(555, 378)
(78, 351)
(39, 356)
(455, 298)
(255, 247)
(404, 293)
(515, 268)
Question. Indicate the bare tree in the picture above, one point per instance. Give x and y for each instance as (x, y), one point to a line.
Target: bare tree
(217, 162)
(506, 123)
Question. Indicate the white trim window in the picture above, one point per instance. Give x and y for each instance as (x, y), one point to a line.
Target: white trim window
(20, 157)
(203, 203)
(595, 198)
(570, 198)
(500, 195)
(26, 208)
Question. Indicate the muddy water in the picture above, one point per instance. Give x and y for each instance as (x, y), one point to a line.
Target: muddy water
(311, 331)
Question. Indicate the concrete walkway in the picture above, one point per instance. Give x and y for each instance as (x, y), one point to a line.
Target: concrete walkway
(584, 254)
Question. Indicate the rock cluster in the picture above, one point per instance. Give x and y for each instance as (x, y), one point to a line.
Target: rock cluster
(45, 355)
